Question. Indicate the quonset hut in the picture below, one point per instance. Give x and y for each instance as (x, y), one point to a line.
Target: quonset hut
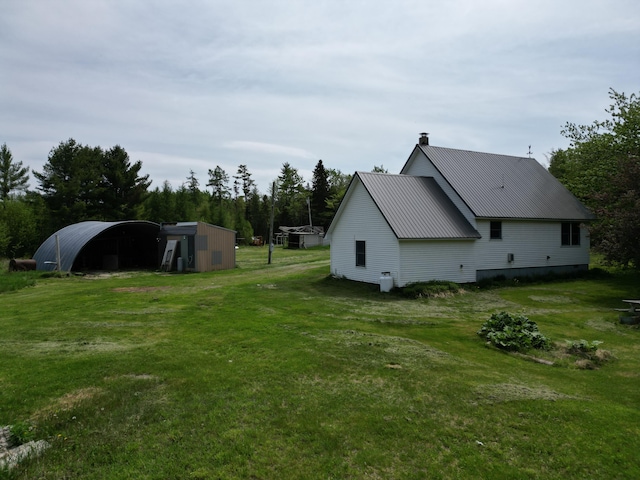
(97, 245)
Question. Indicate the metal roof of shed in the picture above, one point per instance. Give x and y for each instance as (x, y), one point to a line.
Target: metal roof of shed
(416, 207)
(73, 238)
(502, 186)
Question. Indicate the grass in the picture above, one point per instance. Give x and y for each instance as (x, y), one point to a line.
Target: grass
(279, 371)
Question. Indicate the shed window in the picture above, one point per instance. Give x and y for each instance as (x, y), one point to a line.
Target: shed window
(570, 233)
(361, 253)
(495, 230)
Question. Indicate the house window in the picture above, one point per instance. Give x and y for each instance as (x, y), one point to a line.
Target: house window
(360, 253)
(570, 233)
(495, 230)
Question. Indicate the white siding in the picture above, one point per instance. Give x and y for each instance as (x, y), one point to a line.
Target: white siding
(419, 165)
(426, 260)
(360, 219)
(530, 243)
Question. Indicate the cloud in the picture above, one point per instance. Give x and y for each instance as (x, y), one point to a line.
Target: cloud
(269, 148)
(258, 83)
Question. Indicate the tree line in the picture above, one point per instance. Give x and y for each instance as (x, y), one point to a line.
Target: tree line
(80, 182)
(601, 167)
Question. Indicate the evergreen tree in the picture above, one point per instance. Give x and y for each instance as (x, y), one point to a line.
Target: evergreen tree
(122, 190)
(219, 183)
(69, 183)
(13, 176)
(291, 197)
(319, 195)
(245, 181)
(185, 210)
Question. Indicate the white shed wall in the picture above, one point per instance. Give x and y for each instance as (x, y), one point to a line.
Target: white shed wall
(424, 260)
(361, 220)
(531, 243)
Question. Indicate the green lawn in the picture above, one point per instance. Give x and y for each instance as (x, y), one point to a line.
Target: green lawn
(278, 371)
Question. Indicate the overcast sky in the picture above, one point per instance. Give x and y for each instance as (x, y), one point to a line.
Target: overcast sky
(193, 84)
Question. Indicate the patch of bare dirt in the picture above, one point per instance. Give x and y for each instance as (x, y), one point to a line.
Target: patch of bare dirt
(67, 402)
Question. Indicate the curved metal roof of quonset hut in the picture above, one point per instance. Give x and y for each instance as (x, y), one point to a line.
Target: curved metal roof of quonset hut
(74, 238)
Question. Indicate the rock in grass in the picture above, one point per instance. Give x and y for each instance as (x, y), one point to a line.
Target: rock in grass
(11, 458)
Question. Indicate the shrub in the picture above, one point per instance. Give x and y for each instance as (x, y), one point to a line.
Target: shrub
(513, 333)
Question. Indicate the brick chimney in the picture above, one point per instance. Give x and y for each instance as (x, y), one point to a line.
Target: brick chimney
(424, 139)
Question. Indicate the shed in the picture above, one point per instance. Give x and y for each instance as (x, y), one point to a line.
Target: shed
(305, 236)
(201, 247)
(97, 245)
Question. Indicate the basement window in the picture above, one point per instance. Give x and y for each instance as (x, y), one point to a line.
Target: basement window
(361, 259)
(495, 230)
(570, 234)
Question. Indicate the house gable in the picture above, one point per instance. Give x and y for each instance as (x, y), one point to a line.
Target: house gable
(359, 220)
(416, 207)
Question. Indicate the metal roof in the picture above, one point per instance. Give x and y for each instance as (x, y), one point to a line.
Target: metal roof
(73, 238)
(502, 186)
(186, 228)
(416, 207)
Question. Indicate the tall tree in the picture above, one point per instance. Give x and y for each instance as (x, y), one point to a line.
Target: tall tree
(258, 213)
(122, 189)
(319, 195)
(219, 211)
(160, 204)
(219, 183)
(13, 176)
(338, 184)
(69, 182)
(246, 183)
(291, 197)
(600, 167)
(185, 207)
(192, 183)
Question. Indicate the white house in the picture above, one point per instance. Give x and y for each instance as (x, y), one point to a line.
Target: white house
(460, 216)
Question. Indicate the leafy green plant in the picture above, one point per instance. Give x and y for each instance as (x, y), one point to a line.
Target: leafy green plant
(582, 347)
(513, 333)
(589, 355)
(21, 433)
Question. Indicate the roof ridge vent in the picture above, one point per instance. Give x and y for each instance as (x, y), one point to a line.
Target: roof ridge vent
(424, 139)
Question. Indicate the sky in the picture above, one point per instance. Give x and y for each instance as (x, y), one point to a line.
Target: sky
(191, 85)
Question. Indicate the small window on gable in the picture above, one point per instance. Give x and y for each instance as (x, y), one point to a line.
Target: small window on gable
(495, 230)
(361, 258)
(570, 234)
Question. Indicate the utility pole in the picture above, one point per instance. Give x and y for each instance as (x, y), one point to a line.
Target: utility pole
(273, 205)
